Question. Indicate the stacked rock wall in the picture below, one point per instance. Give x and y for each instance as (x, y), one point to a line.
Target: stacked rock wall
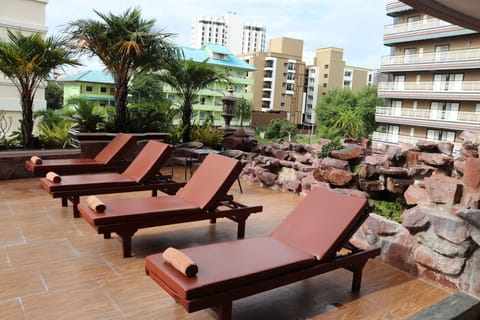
(438, 238)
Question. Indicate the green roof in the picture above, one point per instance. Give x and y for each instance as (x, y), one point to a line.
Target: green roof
(89, 76)
(216, 55)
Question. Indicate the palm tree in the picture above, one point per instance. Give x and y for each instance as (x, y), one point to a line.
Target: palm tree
(27, 61)
(187, 78)
(126, 44)
(243, 109)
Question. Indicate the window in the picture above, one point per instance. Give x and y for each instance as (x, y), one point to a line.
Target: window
(202, 100)
(103, 90)
(348, 73)
(325, 75)
(440, 135)
(324, 85)
(326, 66)
(88, 88)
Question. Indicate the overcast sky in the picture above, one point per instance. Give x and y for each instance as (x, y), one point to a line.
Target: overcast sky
(354, 25)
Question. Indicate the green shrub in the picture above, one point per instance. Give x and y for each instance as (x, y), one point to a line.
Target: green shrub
(55, 135)
(280, 128)
(326, 149)
(209, 135)
(387, 209)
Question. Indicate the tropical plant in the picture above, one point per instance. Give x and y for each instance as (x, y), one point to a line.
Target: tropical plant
(147, 87)
(342, 113)
(27, 61)
(85, 114)
(151, 117)
(280, 128)
(126, 44)
(55, 135)
(208, 135)
(187, 78)
(53, 95)
(5, 125)
(329, 147)
(243, 110)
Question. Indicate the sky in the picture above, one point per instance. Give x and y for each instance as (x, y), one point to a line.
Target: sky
(354, 25)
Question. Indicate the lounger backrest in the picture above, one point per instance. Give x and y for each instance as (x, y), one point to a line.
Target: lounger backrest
(211, 181)
(323, 222)
(113, 151)
(148, 161)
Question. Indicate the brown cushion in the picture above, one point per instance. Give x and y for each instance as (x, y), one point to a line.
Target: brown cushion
(321, 222)
(137, 209)
(211, 181)
(114, 150)
(227, 265)
(87, 181)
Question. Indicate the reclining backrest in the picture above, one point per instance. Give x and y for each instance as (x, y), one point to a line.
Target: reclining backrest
(211, 181)
(148, 161)
(112, 152)
(323, 222)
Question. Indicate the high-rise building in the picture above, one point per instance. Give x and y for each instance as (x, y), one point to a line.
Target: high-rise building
(278, 82)
(229, 31)
(431, 80)
(26, 16)
(330, 71)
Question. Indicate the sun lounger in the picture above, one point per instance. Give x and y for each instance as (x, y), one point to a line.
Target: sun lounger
(141, 174)
(307, 243)
(204, 197)
(108, 159)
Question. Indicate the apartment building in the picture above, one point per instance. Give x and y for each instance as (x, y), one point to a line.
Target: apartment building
(93, 85)
(208, 102)
(330, 71)
(230, 31)
(279, 80)
(431, 79)
(27, 16)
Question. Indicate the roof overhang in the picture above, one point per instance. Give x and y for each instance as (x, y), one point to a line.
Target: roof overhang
(464, 13)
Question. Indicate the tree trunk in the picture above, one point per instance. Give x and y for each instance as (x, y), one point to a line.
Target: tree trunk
(121, 92)
(186, 115)
(27, 121)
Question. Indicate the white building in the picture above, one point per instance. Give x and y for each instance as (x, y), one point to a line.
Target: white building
(229, 31)
(27, 16)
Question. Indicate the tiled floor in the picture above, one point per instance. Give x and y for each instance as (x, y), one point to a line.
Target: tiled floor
(53, 266)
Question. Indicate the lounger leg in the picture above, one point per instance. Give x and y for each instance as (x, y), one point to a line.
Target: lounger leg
(64, 201)
(241, 228)
(224, 311)
(75, 201)
(357, 270)
(107, 235)
(126, 236)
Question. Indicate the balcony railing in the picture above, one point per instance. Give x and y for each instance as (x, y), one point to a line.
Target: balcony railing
(415, 26)
(469, 55)
(448, 115)
(398, 138)
(431, 86)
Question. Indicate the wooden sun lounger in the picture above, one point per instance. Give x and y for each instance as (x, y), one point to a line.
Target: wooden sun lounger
(108, 159)
(204, 197)
(141, 174)
(307, 243)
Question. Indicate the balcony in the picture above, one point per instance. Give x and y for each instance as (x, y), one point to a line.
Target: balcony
(421, 30)
(447, 119)
(398, 138)
(451, 90)
(447, 60)
(395, 7)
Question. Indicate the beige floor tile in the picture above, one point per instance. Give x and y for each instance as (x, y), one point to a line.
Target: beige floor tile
(39, 252)
(19, 282)
(11, 309)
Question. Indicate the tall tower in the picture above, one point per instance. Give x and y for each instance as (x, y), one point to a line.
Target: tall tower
(430, 79)
(230, 31)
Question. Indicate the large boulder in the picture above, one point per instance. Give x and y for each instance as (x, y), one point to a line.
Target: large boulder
(443, 189)
(350, 152)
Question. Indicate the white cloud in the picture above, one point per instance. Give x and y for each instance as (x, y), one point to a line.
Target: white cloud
(354, 25)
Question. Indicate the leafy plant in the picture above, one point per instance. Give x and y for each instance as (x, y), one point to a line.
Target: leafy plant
(326, 149)
(55, 135)
(85, 114)
(280, 128)
(151, 117)
(208, 135)
(387, 209)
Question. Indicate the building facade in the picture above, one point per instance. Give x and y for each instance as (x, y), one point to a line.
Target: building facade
(26, 16)
(431, 79)
(96, 86)
(279, 80)
(229, 31)
(330, 71)
(208, 102)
